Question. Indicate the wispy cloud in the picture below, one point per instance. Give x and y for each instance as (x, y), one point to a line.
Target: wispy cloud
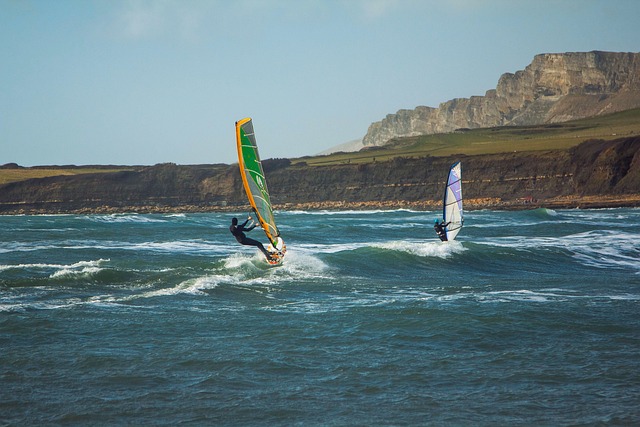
(149, 19)
(374, 9)
(140, 19)
(188, 20)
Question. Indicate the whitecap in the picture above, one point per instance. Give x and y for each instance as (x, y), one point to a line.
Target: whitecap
(524, 295)
(87, 271)
(28, 266)
(181, 246)
(303, 265)
(195, 286)
(80, 268)
(173, 246)
(297, 265)
(24, 247)
(424, 249)
(350, 212)
(125, 218)
(241, 270)
(330, 248)
(240, 261)
(600, 249)
(61, 267)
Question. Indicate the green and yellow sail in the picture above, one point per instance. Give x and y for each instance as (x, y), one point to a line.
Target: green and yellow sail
(253, 178)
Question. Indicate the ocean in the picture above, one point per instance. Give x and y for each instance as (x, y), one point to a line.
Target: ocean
(528, 318)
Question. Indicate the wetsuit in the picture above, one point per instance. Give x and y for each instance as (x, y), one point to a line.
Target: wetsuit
(440, 230)
(238, 233)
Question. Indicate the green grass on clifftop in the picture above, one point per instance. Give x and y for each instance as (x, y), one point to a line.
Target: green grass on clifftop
(468, 142)
(21, 174)
(495, 140)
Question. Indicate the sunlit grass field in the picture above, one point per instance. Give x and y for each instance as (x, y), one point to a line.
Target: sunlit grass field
(21, 174)
(495, 140)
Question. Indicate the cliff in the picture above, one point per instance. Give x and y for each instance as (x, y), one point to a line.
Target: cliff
(594, 174)
(553, 88)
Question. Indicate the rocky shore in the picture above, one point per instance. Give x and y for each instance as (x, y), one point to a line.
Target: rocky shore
(587, 202)
(595, 174)
(566, 202)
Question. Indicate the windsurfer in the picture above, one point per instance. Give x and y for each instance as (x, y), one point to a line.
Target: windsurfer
(440, 229)
(238, 233)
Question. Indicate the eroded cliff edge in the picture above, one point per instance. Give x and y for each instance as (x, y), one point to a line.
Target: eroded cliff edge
(555, 87)
(594, 174)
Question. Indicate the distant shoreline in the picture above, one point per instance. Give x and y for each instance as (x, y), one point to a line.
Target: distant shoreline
(594, 174)
(568, 202)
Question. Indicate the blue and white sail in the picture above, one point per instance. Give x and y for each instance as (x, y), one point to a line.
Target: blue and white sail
(452, 211)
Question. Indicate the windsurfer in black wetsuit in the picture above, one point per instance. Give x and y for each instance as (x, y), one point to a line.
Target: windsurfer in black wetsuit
(440, 229)
(238, 233)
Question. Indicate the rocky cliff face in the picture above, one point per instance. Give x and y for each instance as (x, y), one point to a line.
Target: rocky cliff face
(553, 88)
(563, 178)
(595, 168)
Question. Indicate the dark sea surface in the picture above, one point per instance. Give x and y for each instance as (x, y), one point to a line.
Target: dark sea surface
(529, 318)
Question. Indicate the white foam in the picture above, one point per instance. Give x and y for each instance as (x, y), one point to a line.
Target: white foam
(66, 272)
(182, 246)
(297, 265)
(174, 246)
(23, 247)
(503, 296)
(349, 212)
(424, 249)
(195, 286)
(528, 296)
(245, 261)
(330, 248)
(81, 268)
(28, 266)
(125, 218)
(420, 248)
(394, 225)
(601, 249)
(525, 296)
(301, 264)
(244, 270)
(78, 266)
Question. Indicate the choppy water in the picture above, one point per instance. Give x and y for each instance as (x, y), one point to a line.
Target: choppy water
(531, 318)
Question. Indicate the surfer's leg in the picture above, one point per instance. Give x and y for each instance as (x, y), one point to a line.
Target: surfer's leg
(251, 242)
(264, 251)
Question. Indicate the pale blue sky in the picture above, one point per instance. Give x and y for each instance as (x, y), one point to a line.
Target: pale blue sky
(144, 82)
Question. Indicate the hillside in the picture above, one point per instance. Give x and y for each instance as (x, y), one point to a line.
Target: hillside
(504, 139)
(554, 88)
(596, 173)
(12, 172)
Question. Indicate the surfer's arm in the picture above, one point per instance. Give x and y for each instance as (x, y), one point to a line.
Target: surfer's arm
(242, 228)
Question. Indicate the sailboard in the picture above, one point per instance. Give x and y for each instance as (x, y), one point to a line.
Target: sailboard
(255, 185)
(452, 213)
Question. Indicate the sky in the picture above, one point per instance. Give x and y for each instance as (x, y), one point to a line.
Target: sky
(141, 82)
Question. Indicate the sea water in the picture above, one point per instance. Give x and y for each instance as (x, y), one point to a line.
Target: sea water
(528, 318)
